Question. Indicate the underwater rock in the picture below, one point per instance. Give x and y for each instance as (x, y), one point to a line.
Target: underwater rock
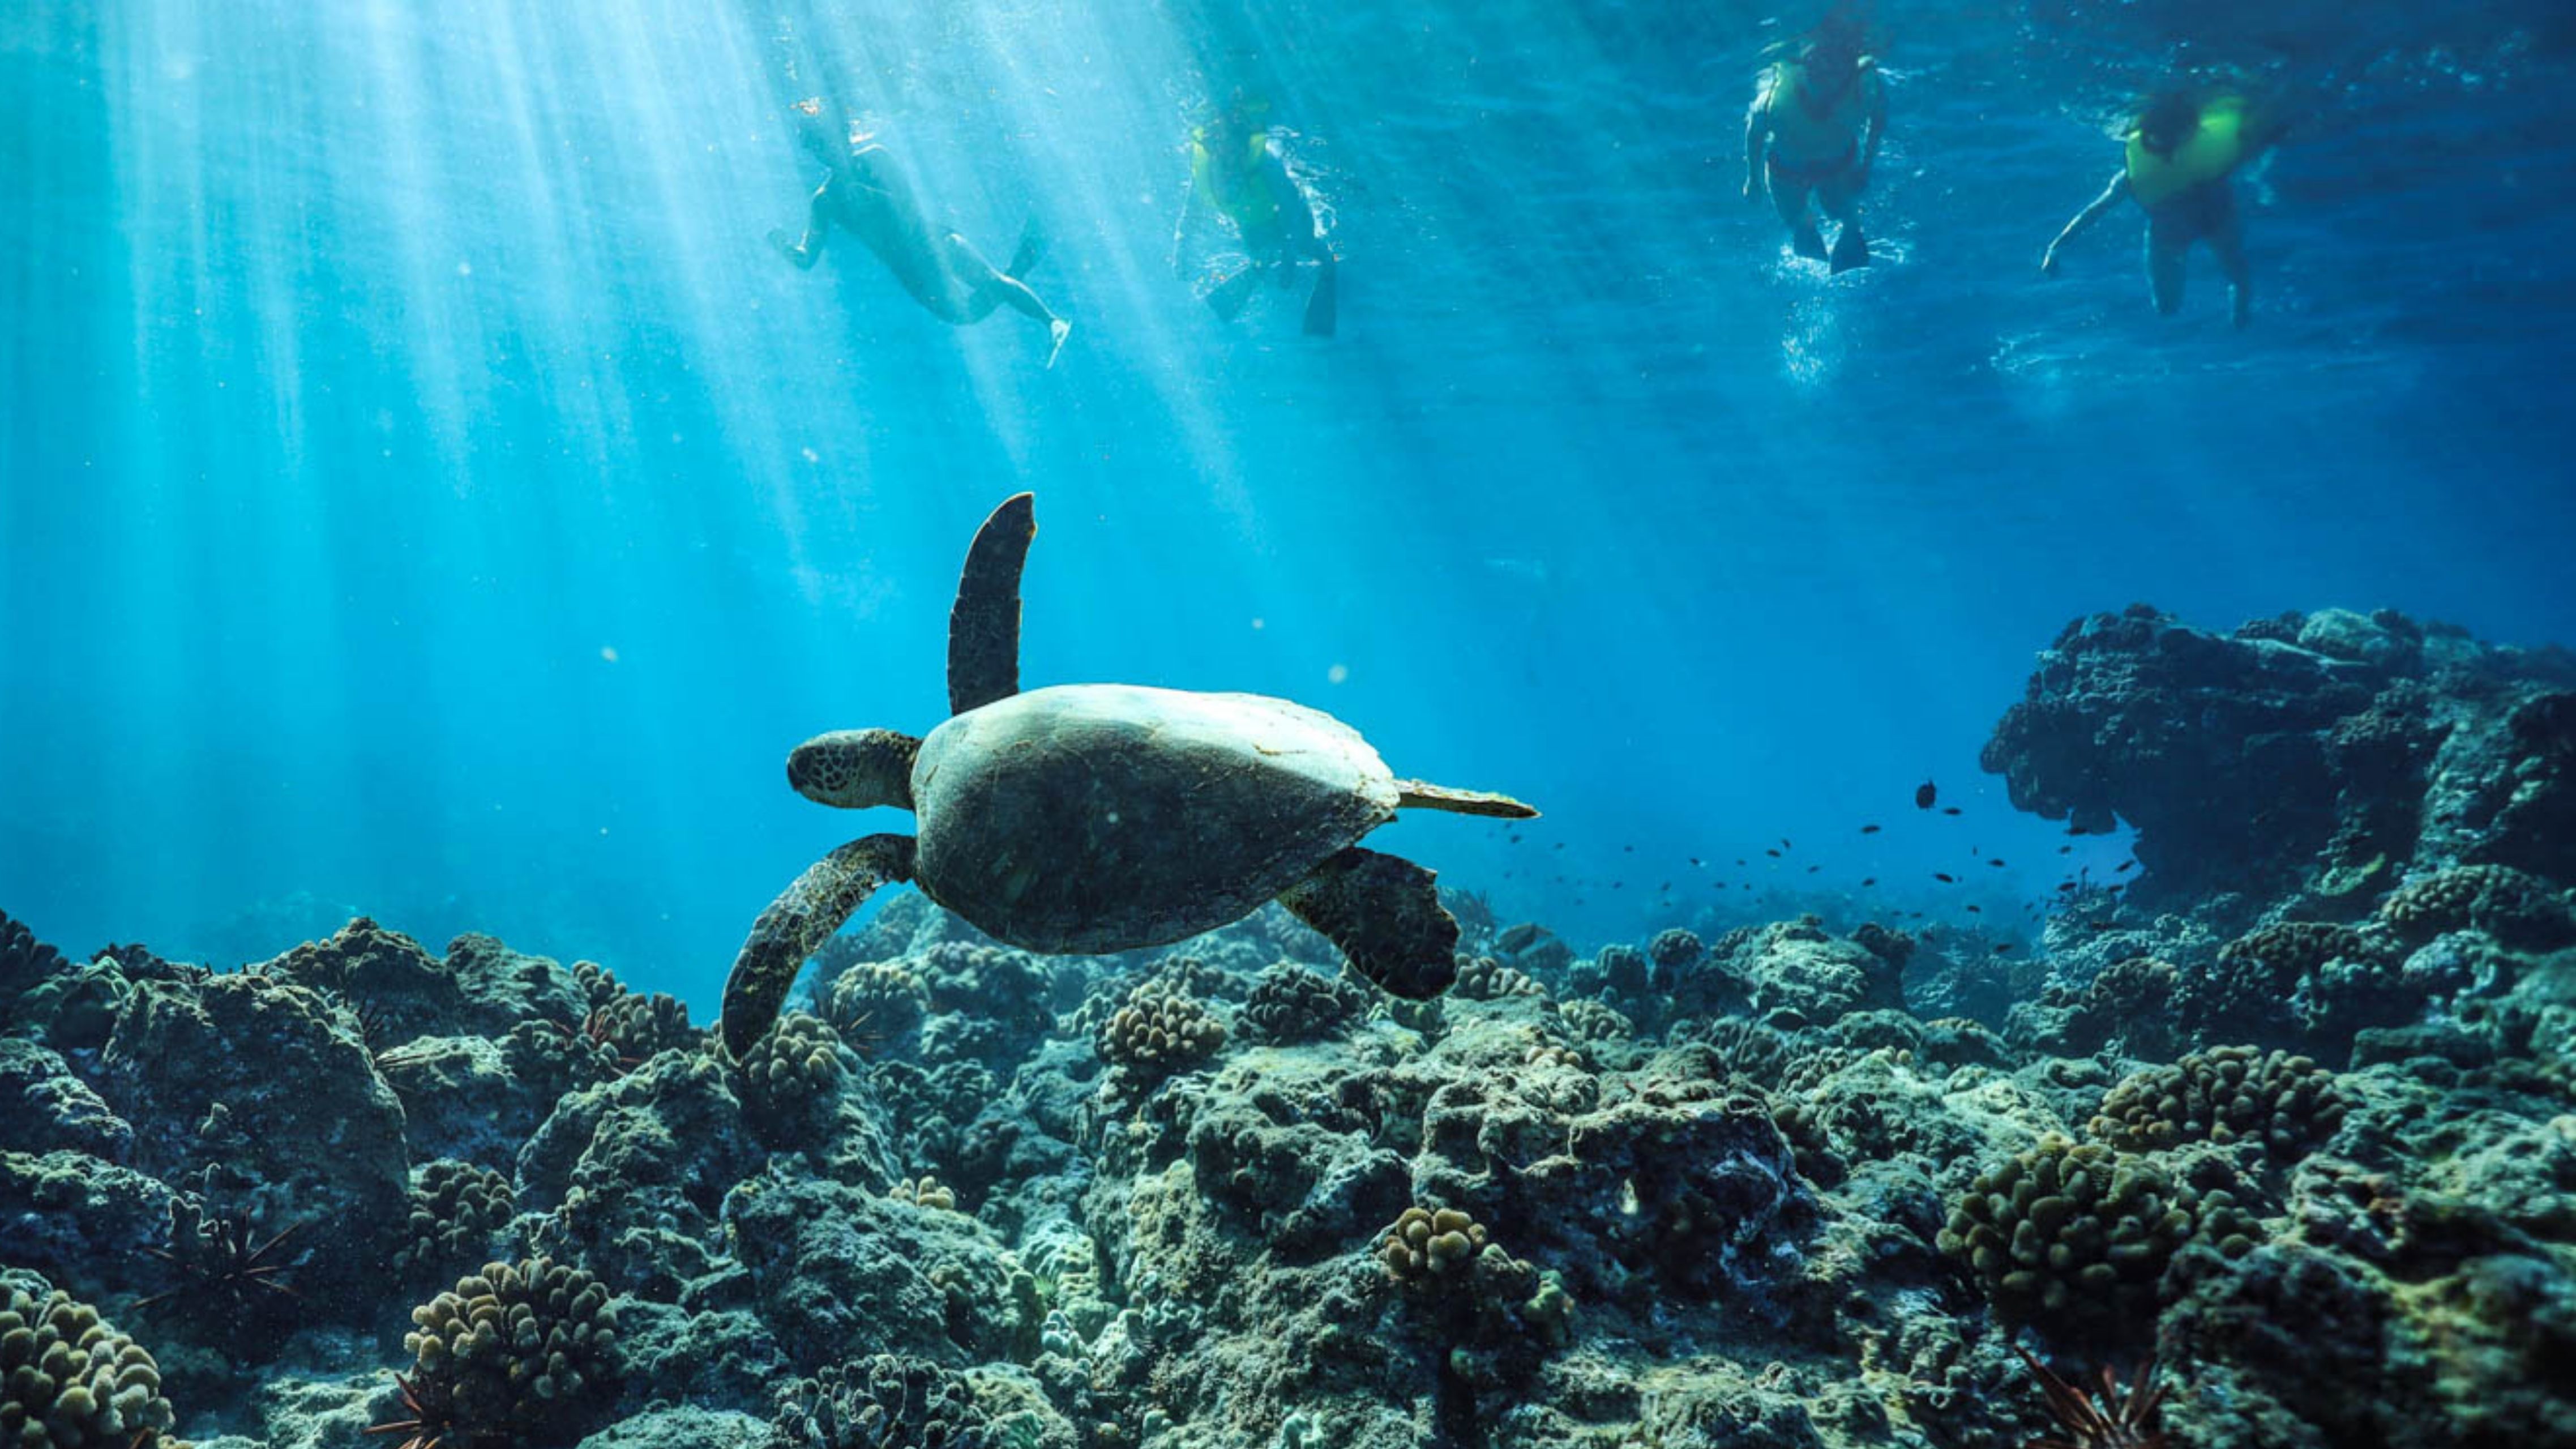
(462, 1099)
(683, 1426)
(24, 962)
(1291, 1148)
(2126, 1008)
(87, 1225)
(2326, 762)
(246, 1087)
(1799, 976)
(839, 1271)
(50, 1109)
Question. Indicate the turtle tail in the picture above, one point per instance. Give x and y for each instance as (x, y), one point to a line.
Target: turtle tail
(1423, 795)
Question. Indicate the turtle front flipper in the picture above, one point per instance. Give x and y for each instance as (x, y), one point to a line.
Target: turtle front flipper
(1384, 914)
(802, 918)
(1423, 795)
(984, 626)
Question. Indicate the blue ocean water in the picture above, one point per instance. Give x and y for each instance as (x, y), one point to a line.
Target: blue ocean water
(423, 492)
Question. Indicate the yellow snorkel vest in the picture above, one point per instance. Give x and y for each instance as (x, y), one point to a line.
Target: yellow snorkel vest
(1235, 184)
(2215, 147)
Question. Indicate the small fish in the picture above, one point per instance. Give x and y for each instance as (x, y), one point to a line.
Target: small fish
(1976, 910)
(2114, 887)
(1949, 809)
(1739, 860)
(1925, 795)
(1869, 830)
(2123, 867)
(1630, 848)
(1869, 880)
(1516, 840)
(1560, 845)
(1996, 861)
(2066, 850)
(1784, 843)
(1775, 855)
(1811, 870)
(2066, 885)
(1666, 888)
(2097, 925)
(1694, 860)
(1945, 878)
(2003, 948)
(1618, 885)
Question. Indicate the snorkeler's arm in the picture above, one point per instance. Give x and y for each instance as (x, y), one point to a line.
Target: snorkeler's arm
(2112, 195)
(1877, 115)
(806, 249)
(1757, 130)
(1181, 228)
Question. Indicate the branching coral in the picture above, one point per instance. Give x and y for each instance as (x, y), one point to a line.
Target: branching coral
(515, 1354)
(1482, 978)
(879, 1402)
(456, 1207)
(2516, 907)
(69, 1381)
(1158, 1032)
(923, 1193)
(1292, 1004)
(2076, 1235)
(793, 1068)
(2287, 1103)
(876, 1000)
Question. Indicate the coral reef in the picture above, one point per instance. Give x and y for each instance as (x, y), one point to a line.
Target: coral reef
(2287, 1111)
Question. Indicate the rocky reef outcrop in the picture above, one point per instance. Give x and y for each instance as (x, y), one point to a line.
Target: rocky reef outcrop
(2293, 1119)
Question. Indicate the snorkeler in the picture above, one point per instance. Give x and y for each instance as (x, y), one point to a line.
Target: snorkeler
(866, 195)
(1238, 173)
(2181, 153)
(1815, 128)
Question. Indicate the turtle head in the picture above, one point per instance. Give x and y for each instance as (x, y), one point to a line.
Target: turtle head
(855, 769)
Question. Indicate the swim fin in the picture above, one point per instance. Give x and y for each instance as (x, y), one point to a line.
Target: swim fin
(1851, 250)
(1227, 298)
(1807, 242)
(1032, 250)
(1324, 304)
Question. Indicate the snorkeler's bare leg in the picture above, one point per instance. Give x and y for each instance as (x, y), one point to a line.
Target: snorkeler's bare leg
(2167, 244)
(805, 249)
(989, 287)
(2227, 239)
(1789, 198)
(1839, 198)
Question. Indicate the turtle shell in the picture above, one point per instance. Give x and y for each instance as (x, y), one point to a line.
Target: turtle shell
(1105, 817)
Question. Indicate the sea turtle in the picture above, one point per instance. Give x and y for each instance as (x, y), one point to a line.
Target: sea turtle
(1090, 818)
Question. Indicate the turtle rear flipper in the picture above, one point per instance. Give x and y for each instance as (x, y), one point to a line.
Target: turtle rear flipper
(1423, 795)
(984, 626)
(1384, 914)
(797, 923)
